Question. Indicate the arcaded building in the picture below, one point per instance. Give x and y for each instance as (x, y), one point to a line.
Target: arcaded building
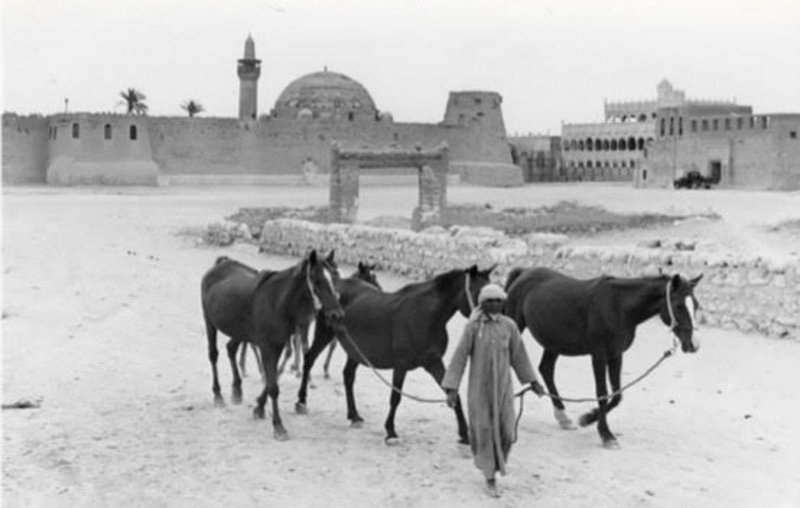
(732, 146)
(289, 142)
(612, 150)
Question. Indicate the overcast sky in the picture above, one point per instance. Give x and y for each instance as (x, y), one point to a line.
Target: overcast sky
(552, 61)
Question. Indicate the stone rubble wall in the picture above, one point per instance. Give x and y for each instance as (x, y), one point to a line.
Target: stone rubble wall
(749, 295)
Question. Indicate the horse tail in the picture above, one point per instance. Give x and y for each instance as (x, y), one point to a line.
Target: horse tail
(513, 275)
(221, 259)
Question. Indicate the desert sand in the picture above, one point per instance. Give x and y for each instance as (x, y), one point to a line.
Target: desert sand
(102, 329)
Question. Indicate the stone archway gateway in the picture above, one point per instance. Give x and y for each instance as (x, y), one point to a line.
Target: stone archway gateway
(432, 166)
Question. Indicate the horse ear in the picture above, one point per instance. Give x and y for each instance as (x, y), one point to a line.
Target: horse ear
(490, 269)
(694, 281)
(361, 267)
(373, 266)
(329, 259)
(675, 282)
(473, 270)
(312, 257)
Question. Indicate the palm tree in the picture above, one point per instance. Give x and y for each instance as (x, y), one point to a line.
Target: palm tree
(192, 107)
(133, 99)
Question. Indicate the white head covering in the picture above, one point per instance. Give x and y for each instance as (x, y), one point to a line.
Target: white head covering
(491, 292)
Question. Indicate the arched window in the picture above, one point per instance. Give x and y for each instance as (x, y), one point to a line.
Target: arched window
(76, 131)
(640, 144)
(642, 117)
(605, 145)
(598, 145)
(573, 144)
(613, 145)
(350, 116)
(663, 129)
(694, 125)
(589, 144)
(132, 132)
(631, 143)
(580, 145)
(566, 146)
(107, 131)
(589, 164)
(624, 164)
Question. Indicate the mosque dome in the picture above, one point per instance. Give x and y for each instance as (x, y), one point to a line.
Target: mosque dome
(325, 94)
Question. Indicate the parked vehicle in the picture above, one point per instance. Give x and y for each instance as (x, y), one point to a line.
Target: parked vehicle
(694, 180)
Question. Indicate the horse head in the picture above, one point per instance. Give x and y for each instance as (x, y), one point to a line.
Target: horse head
(678, 311)
(366, 272)
(332, 266)
(320, 279)
(474, 280)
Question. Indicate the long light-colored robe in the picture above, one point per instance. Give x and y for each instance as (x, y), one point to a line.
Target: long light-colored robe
(493, 346)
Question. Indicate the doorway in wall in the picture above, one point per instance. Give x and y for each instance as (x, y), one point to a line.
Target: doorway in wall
(715, 170)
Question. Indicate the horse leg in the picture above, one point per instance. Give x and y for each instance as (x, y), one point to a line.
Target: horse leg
(436, 369)
(327, 363)
(322, 336)
(614, 370)
(286, 355)
(547, 368)
(349, 375)
(599, 365)
(270, 355)
(213, 354)
(301, 344)
(257, 356)
(398, 378)
(236, 386)
(242, 358)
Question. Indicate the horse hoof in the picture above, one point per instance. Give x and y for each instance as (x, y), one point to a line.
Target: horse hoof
(463, 441)
(567, 425)
(300, 408)
(611, 444)
(585, 420)
(326, 376)
(236, 398)
(219, 402)
(392, 441)
(312, 386)
(258, 413)
(281, 435)
(356, 424)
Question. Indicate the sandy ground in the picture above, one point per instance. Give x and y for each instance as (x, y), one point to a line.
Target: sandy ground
(102, 325)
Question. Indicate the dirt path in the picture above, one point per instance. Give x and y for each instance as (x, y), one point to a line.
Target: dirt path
(102, 325)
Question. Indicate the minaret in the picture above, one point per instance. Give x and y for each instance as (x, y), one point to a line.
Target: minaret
(249, 69)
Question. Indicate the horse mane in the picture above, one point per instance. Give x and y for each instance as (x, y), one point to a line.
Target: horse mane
(513, 275)
(437, 282)
(265, 275)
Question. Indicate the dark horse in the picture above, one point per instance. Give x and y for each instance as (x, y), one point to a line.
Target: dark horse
(299, 341)
(400, 331)
(265, 309)
(365, 272)
(596, 317)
